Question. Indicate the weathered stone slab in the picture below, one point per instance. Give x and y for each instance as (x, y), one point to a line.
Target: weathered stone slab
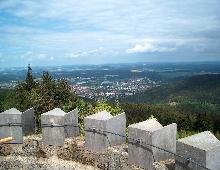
(28, 122)
(203, 148)
(143, 136)
(12, 116)
(54, 134)
(71, 122)
(103, 123)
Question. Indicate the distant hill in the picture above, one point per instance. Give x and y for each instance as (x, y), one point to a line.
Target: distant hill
(195, 89)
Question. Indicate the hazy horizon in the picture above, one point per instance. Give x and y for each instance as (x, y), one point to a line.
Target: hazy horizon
(25, 66)
(90, 32)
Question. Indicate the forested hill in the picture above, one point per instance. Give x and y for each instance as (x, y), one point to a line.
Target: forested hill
(196, 89)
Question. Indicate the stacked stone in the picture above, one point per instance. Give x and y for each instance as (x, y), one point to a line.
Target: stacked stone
(15, 124)
(57, 125)
(202, 148)
(144, 137)
(100, 130)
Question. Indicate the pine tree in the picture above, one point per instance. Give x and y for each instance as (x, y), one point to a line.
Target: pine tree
(29, 81)
(62, 93)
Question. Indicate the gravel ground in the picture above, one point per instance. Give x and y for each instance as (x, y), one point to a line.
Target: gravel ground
(72, 156)
(33, 163)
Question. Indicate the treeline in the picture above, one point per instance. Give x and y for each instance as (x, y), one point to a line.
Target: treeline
(189, 118)
(195, 89)
(193, 103)
(46, 94)
(43, 95)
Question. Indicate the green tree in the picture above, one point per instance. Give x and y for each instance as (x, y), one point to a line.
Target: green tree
(29, 81)
(62, 93)
(20, 97)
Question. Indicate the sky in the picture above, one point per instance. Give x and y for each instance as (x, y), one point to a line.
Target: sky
(69, 32)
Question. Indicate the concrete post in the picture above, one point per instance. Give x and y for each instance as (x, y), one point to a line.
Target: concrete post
(28, 122)
(143, 136)
(203, 148)
(103, 123)
(54, 134)
(117, 124)
(71, 122)
(12, 116)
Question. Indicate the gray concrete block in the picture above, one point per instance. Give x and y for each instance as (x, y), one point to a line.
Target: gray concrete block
(104, 122)
(28, 122)
(203, 148)
(71, 122)
(165, 138)
(140, 155)
(54, 135)
(103, 115)
(117, 124)
(12, 116)
(95, 142)
(150, 133)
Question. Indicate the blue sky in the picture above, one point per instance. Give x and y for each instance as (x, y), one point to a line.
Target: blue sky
(55, 32)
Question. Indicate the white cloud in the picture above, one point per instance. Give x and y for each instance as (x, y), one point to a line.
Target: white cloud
(26, 55)
(51, 58)
(29, 52)
(149, 47)
(138, 17)
(41, 56)
(97, 51)
(75, 29)
(72, 55)
(34, 56)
